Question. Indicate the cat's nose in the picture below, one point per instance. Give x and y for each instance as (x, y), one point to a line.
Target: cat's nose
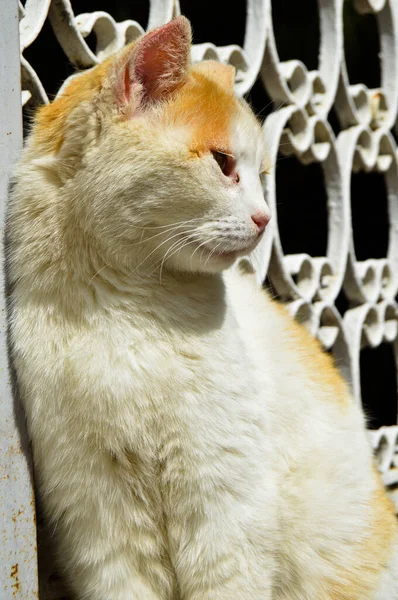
(261, 221)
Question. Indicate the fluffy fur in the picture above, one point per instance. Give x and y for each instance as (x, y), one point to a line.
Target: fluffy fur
(190, 440)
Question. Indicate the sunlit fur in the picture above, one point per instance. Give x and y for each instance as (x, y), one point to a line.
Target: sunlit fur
(191, 441)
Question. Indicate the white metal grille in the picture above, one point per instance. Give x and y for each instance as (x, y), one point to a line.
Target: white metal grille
(331, 251)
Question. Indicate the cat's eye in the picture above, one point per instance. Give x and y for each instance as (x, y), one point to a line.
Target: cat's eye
(221, 159)
(226, 162)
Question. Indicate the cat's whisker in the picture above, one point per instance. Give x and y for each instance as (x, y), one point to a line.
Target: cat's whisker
(203, 219)
(194, 238)
(272, 102)
(203, 246)
(211, 253)
(214, 237)
(172, 229)
(203, 243)
(189, 240)
(157, 248)
(180, 245)
(160, 262)
(185, 243)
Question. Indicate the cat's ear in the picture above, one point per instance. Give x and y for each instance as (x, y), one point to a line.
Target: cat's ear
(152, 68)
(223, 75)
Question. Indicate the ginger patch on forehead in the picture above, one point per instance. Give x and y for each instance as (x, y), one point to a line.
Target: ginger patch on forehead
(208, 110)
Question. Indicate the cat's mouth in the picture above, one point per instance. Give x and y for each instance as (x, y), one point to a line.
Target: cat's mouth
(216, 251)
(229, 254)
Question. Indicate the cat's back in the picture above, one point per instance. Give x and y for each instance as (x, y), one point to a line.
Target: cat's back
(330, 494)
(303, 374)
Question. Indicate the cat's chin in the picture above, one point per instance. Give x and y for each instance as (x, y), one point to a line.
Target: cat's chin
(210, 260)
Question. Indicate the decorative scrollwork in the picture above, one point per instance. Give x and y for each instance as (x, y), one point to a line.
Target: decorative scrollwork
(385, 444)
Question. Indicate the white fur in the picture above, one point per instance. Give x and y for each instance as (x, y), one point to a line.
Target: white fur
(181, 449)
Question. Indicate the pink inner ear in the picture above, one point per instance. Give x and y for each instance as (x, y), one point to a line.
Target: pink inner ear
(160, 61)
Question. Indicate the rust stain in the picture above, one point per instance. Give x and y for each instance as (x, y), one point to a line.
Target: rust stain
(16, 586)
(20, 512)
(15, 449)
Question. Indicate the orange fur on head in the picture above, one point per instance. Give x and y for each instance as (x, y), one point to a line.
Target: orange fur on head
(207, 108)
(202, 103)
(50, 122)
(222, 75)
(147, 71)
(201, 97)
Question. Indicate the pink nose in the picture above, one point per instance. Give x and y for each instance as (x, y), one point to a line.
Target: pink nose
(261, 221)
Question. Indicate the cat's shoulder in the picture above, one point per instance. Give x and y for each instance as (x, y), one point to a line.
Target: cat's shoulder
(290, 342)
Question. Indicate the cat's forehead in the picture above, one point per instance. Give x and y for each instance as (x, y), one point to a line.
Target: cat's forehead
(214, 118)
(217, 119)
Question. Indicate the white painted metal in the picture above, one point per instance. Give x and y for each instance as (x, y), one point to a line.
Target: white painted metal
(297, 126)
(18, 568)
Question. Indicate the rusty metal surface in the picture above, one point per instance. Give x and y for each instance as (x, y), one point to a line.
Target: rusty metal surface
(18, 564)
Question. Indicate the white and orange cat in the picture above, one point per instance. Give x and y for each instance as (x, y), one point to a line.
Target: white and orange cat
(191, 441)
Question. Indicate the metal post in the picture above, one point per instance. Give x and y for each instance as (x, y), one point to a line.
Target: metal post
(18, 559)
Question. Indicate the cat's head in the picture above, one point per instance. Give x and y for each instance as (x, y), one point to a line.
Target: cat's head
(160, 159)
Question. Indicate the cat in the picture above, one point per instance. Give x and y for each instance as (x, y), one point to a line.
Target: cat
(191, 441)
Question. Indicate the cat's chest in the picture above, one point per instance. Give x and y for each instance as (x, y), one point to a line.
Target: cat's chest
(197, 405)
(206, 383)
(212, 364)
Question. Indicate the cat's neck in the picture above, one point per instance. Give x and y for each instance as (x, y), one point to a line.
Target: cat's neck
(178, 296)
(181, 305)
(183, 301)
